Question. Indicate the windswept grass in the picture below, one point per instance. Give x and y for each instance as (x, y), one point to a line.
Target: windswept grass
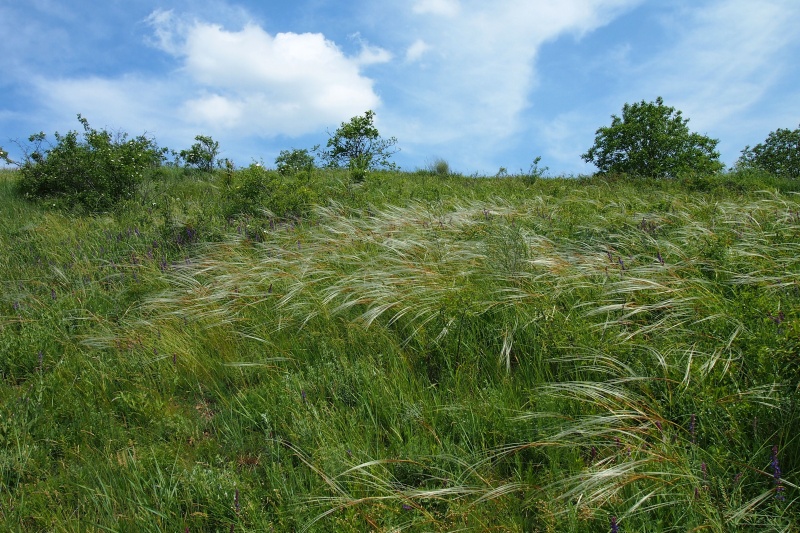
(422, 353)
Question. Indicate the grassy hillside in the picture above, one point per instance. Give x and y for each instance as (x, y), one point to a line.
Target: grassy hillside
(415, 352)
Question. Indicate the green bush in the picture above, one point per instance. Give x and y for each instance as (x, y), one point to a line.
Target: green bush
(652, 140)
(439, 167)
(93, 172)
(294, 161)
(255, 190)
(779, 154)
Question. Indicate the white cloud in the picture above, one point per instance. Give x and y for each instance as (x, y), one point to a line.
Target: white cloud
(287, 83)
(725, 58)
(480, 69)
(165, 36)
(447, 8)
(215, 109)
(247, 82)
(416, 50)
(370, 54)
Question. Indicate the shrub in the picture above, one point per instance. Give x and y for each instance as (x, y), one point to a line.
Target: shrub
(439, 167)
(94, 173)
(779, 154)
(254, 190)
(652, 140)
(294, 161)
(358, 146)
(202, 155)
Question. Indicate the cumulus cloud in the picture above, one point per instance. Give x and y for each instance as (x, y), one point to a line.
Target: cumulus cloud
(230, 82)
(287, 83)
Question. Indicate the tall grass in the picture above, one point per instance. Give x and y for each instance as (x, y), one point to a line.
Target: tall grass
(420, 353)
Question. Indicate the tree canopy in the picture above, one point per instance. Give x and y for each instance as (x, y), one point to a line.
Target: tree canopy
(652, 140)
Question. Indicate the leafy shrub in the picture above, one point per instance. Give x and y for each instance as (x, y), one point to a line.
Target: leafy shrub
(202, 155)
(439, 167)
(652, 140)
(254, 190)
(358, 146)
(94, 173)
(291, 162)
(779, 154)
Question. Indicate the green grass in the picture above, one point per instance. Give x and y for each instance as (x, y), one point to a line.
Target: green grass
(421, 352)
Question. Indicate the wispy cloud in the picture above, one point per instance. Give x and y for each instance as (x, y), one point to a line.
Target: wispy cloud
(480, 69)
(416, 50)
(447, 8)
(721, 62)
(725, 57)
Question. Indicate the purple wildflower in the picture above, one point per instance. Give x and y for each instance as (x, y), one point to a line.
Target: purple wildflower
(778, 319)
(776, 475)
(660, 259)
(406, 507)
(303, 395)
(236, 501)
(692, 427)
(53, 294)
(614, 525)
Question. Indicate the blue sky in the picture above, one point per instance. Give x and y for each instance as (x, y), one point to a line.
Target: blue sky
(480, 84)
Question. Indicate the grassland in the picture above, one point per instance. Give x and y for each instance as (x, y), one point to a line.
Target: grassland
(416, 353)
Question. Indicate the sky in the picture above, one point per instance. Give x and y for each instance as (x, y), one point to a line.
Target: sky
(481, 85)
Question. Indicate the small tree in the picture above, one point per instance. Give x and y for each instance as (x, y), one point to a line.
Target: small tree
(779, 154)
(358, 145)
(203, 154)
(652, 140)
(294, 161)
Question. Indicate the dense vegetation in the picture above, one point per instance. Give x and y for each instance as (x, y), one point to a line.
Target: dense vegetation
(417, 351)
(652, 140)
